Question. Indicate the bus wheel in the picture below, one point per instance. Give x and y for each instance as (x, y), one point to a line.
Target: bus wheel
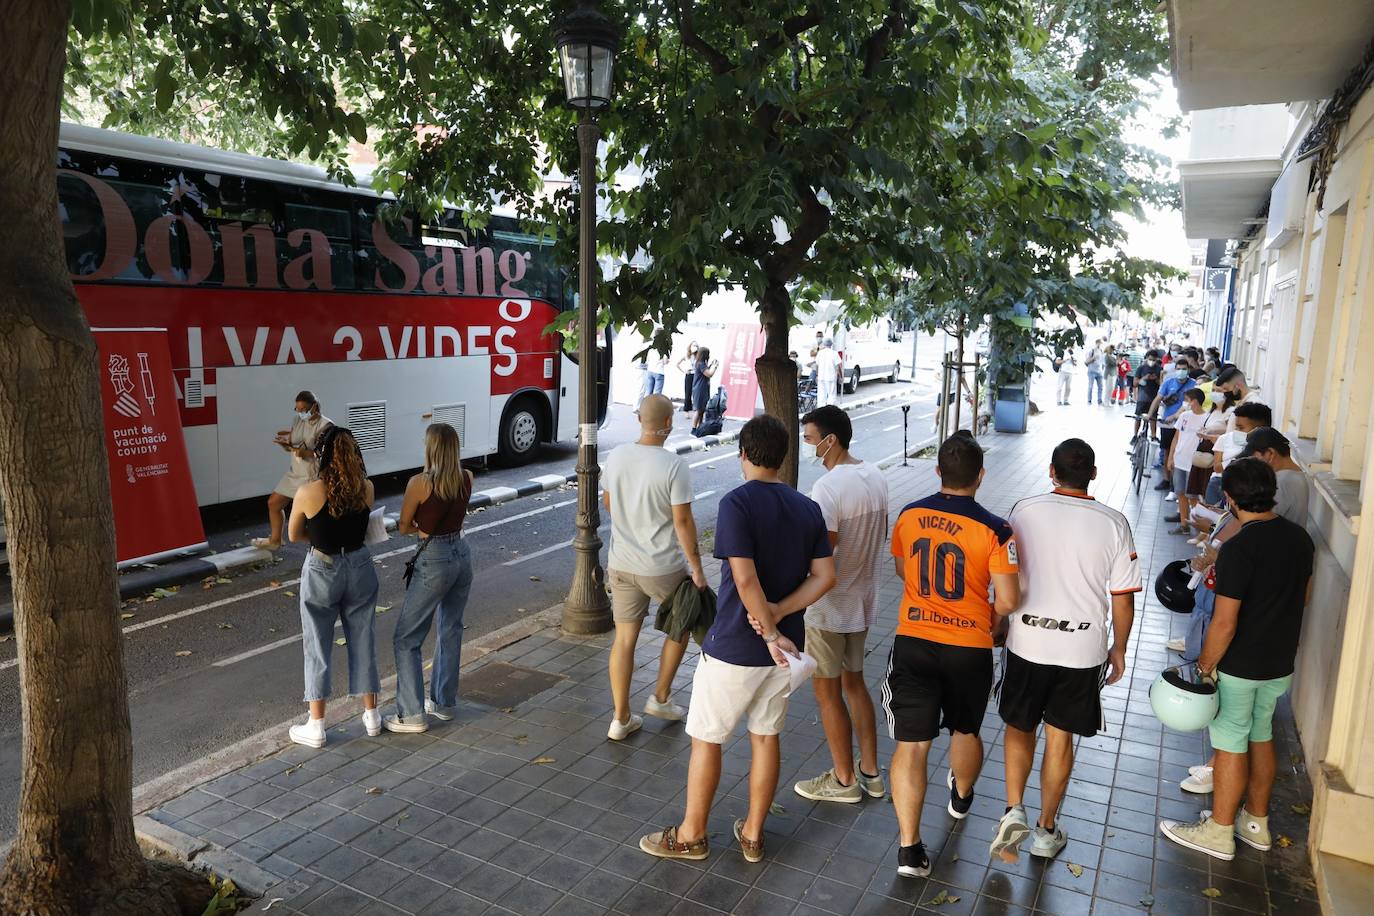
(520, 433)
(852, 385)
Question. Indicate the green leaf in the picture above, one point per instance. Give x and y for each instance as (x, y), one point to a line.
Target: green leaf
(199, 63)
(1211, 892)
(357, 127)
(371, 38)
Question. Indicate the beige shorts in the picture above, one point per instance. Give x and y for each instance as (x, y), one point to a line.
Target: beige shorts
(631, 593)
(836, 652)
(723, 693)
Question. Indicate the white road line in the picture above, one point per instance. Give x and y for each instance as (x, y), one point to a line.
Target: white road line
(244, 656)
(883, 410)
(516, 561)
(134, 628)
(888, 429)
(706, 461)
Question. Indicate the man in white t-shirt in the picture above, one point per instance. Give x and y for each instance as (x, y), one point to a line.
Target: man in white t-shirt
(853, 500)
(1232, 382)
(648, 492)
(828, 369)
(1079, 576)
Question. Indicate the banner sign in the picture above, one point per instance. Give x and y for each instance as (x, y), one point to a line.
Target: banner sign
(155, 510)
(743, 345)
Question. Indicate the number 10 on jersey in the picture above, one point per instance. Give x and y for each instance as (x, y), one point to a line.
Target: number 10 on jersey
(943, 566)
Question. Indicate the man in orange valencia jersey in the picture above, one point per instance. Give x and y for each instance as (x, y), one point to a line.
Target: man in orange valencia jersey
(948, 550)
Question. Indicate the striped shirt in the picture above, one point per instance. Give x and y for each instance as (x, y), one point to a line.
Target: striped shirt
(853, 500)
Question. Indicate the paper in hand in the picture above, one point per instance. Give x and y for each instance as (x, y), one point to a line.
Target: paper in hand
(799, 667)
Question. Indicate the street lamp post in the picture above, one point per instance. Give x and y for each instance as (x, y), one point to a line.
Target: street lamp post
(587, 44)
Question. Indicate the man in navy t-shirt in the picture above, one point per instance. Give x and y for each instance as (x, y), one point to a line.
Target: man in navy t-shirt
(778, 560)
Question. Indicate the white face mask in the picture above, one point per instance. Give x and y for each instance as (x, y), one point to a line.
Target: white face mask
(303, 415)
(819, 456)
(1218, 398)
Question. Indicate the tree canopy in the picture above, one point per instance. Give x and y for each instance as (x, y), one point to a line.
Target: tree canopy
(941, 156)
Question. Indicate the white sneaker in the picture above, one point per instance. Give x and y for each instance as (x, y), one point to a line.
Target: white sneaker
(1199, 781)
(1047, 845)
(442, 713)
(665, 710)
(1012, 831)
(1176, 645)
(311, 734)
(873, 785)
(619, 731)
(372, 721)
(409, 725)
(1171, 497)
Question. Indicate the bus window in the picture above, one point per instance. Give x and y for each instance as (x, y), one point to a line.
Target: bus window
(240, 216)
(316, 219)
(107, 209)
(389, 251)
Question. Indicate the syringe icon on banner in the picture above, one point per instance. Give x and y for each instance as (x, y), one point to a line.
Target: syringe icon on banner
(145, 376)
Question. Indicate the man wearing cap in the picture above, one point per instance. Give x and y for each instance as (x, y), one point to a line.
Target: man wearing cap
(1263, 583)
(1272, 447)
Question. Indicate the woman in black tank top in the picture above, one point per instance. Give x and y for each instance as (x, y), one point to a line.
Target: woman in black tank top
(435, 505)
(338, 581)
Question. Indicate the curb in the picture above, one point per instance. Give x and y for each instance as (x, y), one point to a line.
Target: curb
(192, 569)
(158, 839)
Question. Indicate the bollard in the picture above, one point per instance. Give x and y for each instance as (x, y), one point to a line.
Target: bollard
(906, 411)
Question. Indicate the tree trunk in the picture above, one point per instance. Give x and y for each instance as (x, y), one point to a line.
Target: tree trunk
(777, 371)
(75, 851)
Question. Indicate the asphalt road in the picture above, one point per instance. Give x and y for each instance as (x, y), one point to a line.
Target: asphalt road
(209, 666)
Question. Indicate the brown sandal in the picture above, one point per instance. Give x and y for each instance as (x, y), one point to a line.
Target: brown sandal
(752, 850)
(666, 845)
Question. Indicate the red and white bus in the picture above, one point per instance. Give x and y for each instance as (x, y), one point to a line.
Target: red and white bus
(271, 278)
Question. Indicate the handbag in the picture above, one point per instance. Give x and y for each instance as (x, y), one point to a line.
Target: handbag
(376, 527)
(1203, 457)
(409, 571)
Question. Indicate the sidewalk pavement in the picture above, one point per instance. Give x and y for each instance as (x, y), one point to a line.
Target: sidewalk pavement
(528, 808)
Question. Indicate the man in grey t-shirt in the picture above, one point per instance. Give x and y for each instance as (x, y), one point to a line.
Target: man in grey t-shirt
(1272, 447)
(648, 493)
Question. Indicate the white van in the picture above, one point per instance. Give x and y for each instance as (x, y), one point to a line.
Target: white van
(869, 351)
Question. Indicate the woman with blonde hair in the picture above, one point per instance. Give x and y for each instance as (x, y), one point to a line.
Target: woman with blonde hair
(435, 505)
(338, 580)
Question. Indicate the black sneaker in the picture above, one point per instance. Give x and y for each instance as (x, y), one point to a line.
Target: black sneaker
(1163, 484)
(958, 807)
(1171, 519)
(912, 861)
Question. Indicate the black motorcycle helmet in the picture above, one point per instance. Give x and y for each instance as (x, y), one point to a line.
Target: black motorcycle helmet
(1171, 587)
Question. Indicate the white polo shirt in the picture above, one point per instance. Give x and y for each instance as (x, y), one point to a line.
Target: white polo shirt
(1075, 554)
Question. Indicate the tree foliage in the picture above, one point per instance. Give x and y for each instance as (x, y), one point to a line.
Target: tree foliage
(942, 156)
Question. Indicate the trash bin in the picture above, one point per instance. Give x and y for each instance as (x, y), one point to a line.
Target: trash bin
(1011, 410)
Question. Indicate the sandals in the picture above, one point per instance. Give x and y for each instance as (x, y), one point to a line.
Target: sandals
(265, 544)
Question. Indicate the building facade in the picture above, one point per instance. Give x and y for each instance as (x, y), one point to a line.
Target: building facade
(1282, 165)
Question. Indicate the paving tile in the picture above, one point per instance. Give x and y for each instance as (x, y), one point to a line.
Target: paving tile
(376, 878)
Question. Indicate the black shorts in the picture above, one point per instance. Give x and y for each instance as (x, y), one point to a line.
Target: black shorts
(1070, 699)
(931, 686)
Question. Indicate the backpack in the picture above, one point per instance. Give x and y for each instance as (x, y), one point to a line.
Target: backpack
(713, 421)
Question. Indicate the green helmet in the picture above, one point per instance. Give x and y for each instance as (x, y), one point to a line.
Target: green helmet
(1182, 701)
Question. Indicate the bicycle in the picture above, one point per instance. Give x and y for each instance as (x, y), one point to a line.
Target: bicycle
(1141, 454)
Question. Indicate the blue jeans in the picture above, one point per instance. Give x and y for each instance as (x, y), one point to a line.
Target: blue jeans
(655, 383)
(342, 587)
(443, 578)
(1213, 496)
(1203, 604)
(1095, 380)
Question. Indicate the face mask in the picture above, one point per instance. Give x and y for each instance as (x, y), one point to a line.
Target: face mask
(303, 415)
(819, 456)
(1181, 374)
(1218, 397)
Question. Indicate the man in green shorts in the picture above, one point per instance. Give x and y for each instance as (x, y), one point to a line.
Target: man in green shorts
(1263, 583)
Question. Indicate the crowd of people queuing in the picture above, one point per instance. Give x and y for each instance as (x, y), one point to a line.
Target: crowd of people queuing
(799, 588)
(1241, 501)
